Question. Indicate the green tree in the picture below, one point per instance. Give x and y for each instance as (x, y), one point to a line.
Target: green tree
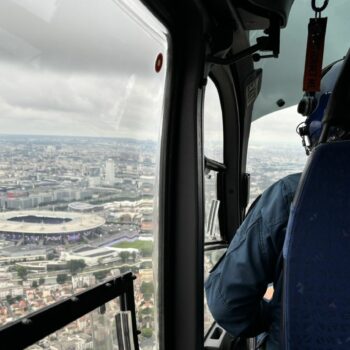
(9, 299)
(124, 255)
(41, 280)
(22, 272)
(34, 284)
(147, 288)
(101, 275)
(75, 265)
(50, 256)
(61, 278)
(147, 332)
(147, 311)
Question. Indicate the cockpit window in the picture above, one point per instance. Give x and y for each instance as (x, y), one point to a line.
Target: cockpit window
(283, 77)
(212, 124)
(213, 150)
(81, 98)
(275, 150)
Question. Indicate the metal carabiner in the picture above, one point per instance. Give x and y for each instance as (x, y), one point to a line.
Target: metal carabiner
(319, 9)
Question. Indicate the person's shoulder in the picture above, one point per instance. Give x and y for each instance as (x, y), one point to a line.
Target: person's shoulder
(282, 190)
(290, 182)
(287, 187)
(275, 200)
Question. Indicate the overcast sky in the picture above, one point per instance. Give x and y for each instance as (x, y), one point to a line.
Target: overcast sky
(81, 67)
(277, 127)
(86, 67)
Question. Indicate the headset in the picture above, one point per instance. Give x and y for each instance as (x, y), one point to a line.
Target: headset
(313, 106)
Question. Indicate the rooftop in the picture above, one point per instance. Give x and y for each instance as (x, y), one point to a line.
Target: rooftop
(78, 222)
(81, 206)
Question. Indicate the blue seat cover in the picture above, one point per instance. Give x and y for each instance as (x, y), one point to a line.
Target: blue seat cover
(316, 305)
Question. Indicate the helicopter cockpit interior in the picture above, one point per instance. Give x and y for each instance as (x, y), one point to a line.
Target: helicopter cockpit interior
(135, 137)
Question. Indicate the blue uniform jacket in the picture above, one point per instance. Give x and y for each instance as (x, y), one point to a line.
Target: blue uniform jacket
(235, 288)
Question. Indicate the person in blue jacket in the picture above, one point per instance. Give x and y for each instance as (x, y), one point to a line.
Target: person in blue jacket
(236, 286)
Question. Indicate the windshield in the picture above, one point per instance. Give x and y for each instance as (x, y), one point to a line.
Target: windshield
(283, 77)
(81, 105)
(275, 149)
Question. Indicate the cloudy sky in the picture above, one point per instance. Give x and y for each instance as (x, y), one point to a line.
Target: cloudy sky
(86, 67)
(82, 67)
(277, 128)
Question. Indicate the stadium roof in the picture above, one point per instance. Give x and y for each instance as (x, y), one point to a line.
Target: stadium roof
(78, 222)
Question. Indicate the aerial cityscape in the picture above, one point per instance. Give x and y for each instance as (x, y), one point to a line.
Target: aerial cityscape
(75, 211)
(267, 163)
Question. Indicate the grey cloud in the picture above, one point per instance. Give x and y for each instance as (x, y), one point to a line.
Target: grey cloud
(212, 123)
(143, 111)
(79, 104)
(79, 67)
(85, 35)
(277, 128)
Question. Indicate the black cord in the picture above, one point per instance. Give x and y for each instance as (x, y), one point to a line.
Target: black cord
(297, 128)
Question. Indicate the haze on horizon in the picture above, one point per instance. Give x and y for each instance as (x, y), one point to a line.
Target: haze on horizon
(93, 74)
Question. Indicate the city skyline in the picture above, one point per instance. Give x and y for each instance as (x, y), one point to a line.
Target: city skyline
(71, 217)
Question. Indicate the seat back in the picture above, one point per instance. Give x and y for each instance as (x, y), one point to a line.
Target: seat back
(316, 303)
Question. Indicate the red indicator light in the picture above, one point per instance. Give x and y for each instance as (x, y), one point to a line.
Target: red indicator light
(159, 63)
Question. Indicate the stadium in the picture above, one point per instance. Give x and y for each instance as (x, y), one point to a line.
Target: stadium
(47, 227)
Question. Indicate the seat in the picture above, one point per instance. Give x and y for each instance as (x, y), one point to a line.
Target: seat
(316, 303)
